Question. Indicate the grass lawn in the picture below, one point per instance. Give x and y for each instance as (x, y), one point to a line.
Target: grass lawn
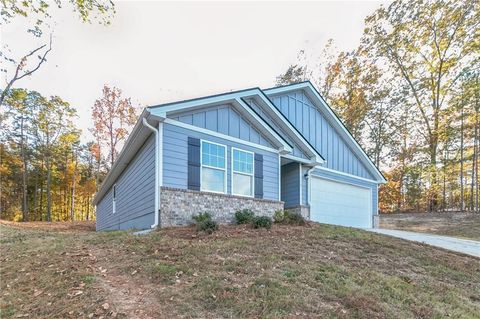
(461, 225)
(310, 271)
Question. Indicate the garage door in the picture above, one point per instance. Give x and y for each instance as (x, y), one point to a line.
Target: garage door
(340, 204)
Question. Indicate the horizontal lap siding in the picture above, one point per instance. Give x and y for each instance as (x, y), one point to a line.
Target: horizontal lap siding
(319, 132)
(175, 159)
(135, 202)
(291, 185)
(353, 181)
(223, 119)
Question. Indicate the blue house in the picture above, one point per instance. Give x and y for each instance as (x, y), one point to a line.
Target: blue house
(278, 148)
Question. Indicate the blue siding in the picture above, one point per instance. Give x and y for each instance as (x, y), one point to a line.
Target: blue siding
(296, 149)
(224, 119)
(175, 160)
(135, 203)
(291, 184)
(319, 132)
(350, 180)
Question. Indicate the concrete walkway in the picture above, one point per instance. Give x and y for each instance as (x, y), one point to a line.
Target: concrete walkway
(469, 247)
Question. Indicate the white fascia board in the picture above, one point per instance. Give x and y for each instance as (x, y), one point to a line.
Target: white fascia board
(314, 95)
(199, 102)
(219, 135)
(300, 139)
(322, 168)
(267, 130)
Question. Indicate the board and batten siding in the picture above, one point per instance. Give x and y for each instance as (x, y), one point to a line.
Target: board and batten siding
(135, 189)
(345, 179)
(291, 184)
(297, 152)
(307, 118)
(175, 159)
(223, 119)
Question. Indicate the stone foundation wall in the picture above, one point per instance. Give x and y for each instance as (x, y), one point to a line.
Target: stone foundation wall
(300, 209)
(178, 205)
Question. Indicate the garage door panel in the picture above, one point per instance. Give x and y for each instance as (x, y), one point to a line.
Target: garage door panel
(339, 203)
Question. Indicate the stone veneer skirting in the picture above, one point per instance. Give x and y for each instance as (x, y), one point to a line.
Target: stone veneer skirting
(177, 206)
(300, 209)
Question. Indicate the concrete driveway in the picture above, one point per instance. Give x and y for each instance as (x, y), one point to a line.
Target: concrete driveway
(469, 247)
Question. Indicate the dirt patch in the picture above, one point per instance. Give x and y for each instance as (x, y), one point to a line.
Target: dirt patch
(81, 226)
(463, 225)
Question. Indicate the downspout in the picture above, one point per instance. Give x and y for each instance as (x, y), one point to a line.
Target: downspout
(157, 170)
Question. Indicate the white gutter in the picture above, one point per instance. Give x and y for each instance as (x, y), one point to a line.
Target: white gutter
(157, 169)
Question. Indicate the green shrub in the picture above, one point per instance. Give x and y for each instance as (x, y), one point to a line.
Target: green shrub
(208, 226)
(279, 216)
(286, 217)
(293, 219)
(201, 217)
(262, 222)
(205, 222)
(244, 216)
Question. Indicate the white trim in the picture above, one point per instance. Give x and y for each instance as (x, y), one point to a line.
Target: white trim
(279, 178)
(219, 135)
(300, 176)
(266, 128)
(348, 175)
(232, 98)
(312, 91)
(252, 175)
(300, 137)
(211, 167)
(299, 159)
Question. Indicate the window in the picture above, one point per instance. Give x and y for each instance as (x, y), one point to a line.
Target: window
(242, 172)
(114, 198)
(213, 168)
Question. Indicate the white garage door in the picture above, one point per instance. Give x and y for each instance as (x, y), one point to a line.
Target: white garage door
(340, 204)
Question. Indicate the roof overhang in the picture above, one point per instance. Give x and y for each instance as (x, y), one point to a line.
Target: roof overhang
(234, 99)
(330, 115)
(133, 143)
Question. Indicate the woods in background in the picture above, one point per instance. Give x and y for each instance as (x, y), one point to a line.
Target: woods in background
(410, 95)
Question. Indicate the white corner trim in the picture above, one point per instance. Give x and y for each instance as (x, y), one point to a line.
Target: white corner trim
(345, 174)
(300, 176)
(219, 135)
(279, 178)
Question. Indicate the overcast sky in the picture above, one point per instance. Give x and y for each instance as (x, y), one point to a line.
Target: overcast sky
(158, 52)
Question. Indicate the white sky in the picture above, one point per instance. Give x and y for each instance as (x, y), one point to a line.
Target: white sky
(158, 52)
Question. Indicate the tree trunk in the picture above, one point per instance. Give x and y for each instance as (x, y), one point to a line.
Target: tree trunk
(462, 201)
(72, 201)
(49, 186)
(35, 196)
(476, 146)
(24, 172)
(88, 207)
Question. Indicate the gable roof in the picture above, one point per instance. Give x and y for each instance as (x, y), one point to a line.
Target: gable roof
(238, 98)
(333, 119)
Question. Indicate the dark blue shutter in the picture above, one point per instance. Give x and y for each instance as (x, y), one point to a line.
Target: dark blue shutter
(258, 176)
(194, 163)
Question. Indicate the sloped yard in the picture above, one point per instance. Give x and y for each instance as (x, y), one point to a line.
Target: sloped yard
(237, 272)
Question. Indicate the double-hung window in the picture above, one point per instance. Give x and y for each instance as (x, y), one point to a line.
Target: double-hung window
(242, 172)
(213, 169)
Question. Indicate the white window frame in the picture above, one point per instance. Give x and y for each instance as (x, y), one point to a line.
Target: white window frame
(114, 198)
(242, 173)
(212, 167)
